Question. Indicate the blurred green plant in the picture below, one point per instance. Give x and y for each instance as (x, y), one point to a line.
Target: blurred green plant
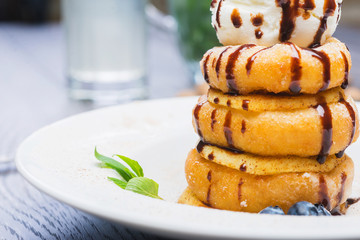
(195, 33)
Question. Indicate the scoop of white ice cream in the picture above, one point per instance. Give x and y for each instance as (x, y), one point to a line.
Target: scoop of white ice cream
(306, 23)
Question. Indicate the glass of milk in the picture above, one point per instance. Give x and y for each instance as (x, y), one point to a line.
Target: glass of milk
(105, 49)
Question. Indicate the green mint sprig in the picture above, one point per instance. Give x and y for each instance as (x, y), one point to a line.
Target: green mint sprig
(131, 180)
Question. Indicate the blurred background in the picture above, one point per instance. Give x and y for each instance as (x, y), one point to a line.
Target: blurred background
(36, 67)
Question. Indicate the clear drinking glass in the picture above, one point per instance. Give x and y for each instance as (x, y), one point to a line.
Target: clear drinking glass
(106, 49)
(195, 33)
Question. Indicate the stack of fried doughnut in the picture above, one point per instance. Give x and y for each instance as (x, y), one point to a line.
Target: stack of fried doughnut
(273, 128)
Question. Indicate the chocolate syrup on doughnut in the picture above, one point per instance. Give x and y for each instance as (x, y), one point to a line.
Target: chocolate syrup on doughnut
(228, 103)
(209, 176)
(205, 67)
(218, 13)
(241, 182)
(326, 121)
(353, 120)
(325, 60)
(211, 156)
(351, 201)
(218, 63)
(227, 130)
(323, 193)
(235, 18)
(196, 116)
(230, 77)
(245, 105)
(243, 167)
(243, 127)
(258, 33)
(202, 144)
(296, 69)
(346, 77)
(251, 60)
(208, 196)
(342, 188)
(213, 119)
(216, 100)
(329, 10)
(257, 20)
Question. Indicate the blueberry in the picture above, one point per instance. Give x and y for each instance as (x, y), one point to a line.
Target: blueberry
(272, 210)
(322, 210)
(303, 209)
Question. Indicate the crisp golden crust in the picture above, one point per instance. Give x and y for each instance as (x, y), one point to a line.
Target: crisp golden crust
(228, 189)
(270, 102)
(260, 165)
(188, 198)
(273, 70)
(273, 133)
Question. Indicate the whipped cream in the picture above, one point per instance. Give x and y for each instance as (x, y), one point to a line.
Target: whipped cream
(306, 23)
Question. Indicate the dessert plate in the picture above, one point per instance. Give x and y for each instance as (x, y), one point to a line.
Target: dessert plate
(59, 160)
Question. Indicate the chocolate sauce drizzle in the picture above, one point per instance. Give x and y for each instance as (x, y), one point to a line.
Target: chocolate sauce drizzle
(202, 144)
(196, 116)
(289, 15)
(230, 77)
(258, 33)
(326, 121)
(236, 19)
(257, 20)
(211, 156)
(251, 60)
(205, 67)
(325, 60)
(345, 84)
(353, 120)
(209, 190)
(342, 188)
(245, 105)
(216, 100)
(227, 130)
(241, 182)
(323, 193)
(218, 13)
(218, 63)
(228, 103)
(213, 119)
(243, 127)
(296, 69)
(243, 167)
(308, 5)
(329, 10)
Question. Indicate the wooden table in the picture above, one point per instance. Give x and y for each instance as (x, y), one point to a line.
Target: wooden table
(33, 94)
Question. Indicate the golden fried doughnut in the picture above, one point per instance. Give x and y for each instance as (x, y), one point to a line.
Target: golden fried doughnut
(271, 102)
(283, 67)
(323, 130)
(229, 189)
(188, 198)
(260, 165)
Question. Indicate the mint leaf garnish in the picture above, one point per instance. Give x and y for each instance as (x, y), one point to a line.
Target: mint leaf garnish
(121, 169)
(134, 180)
(118, 182)
(144, 186)
(135, 166)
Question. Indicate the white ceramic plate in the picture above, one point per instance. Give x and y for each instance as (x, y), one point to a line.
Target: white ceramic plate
(59, 160)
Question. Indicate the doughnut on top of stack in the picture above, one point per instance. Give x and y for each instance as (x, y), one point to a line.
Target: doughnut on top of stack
(306, 23)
